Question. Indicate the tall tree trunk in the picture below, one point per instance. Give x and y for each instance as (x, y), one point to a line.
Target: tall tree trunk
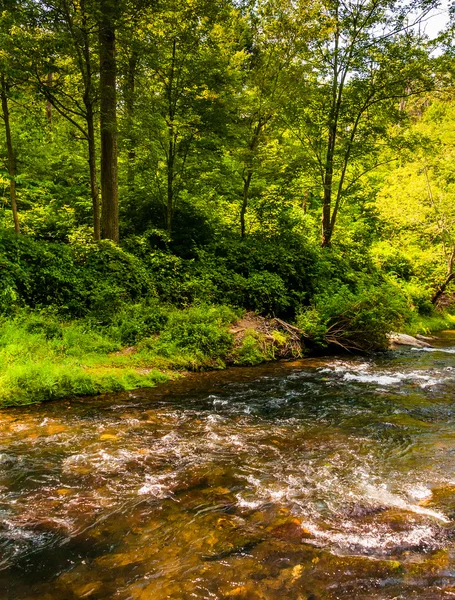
(108, 123)
(450, 276)
(49, 104)
(11, 155)
(85, 66)
(93, 175)
(246, 193)
(327, 228)
(172, 142)
(252, 147)
(170, 180)
(327, 223)
(129, 104)
(442, 288)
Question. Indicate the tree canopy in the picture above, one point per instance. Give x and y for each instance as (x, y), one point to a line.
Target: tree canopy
(262, 152)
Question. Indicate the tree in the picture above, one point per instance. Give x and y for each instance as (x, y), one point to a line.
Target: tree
(182, 61)
(417, 200)
(276, 34)
(366, 59)
(108, 14)
(58, 51)
(9, 79)
(5, 88)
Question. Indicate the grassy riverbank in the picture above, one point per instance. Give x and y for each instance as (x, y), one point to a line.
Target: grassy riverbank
(84, 318)
(438, 321)
(43, 357)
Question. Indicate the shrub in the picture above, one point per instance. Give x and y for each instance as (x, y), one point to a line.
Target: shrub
(266, 293)
(77, 279)
(250, 351)
(200, 329)
(391, 260)
(419, 297)
(355, 320)
(136, 321)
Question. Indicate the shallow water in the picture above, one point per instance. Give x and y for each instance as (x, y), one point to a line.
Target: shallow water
(320, 479)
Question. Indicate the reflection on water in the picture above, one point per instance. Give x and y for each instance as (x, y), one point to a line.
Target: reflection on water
(322, 479)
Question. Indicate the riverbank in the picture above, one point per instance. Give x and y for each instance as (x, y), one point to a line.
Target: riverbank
(44, 357)
(430, 324)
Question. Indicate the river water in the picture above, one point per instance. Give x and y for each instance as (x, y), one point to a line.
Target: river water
(318, 479)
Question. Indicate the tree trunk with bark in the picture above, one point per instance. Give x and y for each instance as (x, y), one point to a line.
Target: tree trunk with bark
(49, 104)
(249, 169)
(327, 221)
(108, 123)
(11, 154)
(93, 173)
(450, 276)
(170, 180)
(171, 153)
(246, 193)
(327, 228)
(129, 105)
(89, 102)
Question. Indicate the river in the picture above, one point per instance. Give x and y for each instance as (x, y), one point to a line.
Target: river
(326, 478)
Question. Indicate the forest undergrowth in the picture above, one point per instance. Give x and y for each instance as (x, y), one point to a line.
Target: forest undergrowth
(90, 318)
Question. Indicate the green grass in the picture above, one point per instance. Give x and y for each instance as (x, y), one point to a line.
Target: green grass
(44, 358)
(430, 324)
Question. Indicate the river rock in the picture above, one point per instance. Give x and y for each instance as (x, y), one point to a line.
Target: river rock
(396, 340)
(426, 338)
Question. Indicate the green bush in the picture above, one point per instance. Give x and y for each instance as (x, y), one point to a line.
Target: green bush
(391, 260)
(419, 297)
(250, 351)
(136, 321)
(93, 278)
(200, 329)
(355, 320)
(314, 325)
(266, 293)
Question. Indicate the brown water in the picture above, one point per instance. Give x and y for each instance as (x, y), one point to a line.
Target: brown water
(320, 479)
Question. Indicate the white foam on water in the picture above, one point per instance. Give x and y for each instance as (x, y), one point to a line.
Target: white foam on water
(236, 441)
(343, 367)
(379, 379)
(449, 350)
(159, 486)
(214, 419)
(376, 538)
(220, 402)
(104, 462)
(365, 373)
(382, 496)
(250, 504)
(419, 492)
(7, 459)
(386, 379)
(319, 497)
